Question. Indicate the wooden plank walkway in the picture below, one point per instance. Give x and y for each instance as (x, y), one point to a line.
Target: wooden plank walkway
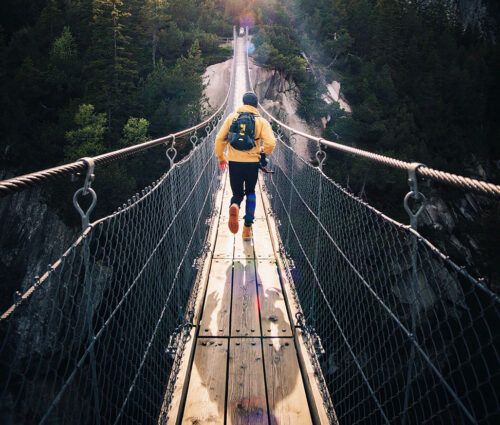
(243, 367)
(246, 362)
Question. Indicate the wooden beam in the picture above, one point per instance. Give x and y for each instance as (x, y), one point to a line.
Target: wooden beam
(311, 376)
(224, 245)
(171, 409)
(262, 240)
(243, 249)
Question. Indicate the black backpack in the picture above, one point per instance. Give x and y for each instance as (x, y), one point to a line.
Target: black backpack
(242, 132)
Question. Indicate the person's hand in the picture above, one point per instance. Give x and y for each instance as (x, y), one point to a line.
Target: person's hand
(222, 165)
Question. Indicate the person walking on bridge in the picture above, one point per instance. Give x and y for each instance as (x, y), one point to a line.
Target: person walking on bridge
(248, 139)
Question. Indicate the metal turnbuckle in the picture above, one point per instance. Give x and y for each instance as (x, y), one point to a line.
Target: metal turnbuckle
(415, 194)
(86, 190)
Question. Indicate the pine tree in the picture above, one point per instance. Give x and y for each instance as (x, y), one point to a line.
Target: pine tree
(112, 67)
(88, 139)
(155, 12)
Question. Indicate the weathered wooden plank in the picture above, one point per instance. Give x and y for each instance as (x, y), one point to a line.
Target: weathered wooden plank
(207, 386)
(245, 311)
(273, 311)
(215, 316)
(224, 244)
(285, 390)
(262, 240)
(246, 404)
(243, 249)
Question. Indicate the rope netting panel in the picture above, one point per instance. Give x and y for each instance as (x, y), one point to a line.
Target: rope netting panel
(89, 342)
(403, 335)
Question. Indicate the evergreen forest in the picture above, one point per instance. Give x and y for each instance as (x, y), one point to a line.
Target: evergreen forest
(423, 82)
(83, 77)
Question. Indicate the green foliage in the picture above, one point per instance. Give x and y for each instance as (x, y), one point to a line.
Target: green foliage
(172, 95)
(420, 87)
(74, 72)
(110, 64)
(88, 138)
(135, 131)
(64, 49)
(276, 47)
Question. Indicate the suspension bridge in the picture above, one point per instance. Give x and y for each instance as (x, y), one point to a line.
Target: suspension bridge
(334, 313)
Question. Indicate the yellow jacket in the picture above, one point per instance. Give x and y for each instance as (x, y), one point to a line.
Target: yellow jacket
(264, 137)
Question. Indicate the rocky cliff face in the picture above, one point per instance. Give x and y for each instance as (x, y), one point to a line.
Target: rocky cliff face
(465, 228)
(280, 98)
(31, 237)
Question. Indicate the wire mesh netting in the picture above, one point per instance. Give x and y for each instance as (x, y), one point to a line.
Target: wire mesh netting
(87, 344)
(404, 335)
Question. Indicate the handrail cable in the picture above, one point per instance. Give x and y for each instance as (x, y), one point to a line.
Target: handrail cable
(20, 183)
(456, 180)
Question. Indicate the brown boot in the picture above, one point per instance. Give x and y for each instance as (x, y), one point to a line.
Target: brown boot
(234, 212)
(247, 233)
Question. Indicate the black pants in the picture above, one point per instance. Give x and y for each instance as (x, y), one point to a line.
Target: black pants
(243, 177)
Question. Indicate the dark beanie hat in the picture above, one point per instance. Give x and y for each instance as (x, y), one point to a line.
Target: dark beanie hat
(250, 99)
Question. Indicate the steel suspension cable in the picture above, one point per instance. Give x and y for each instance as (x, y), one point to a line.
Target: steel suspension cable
(402, 333)
(20, 183)
(479, 186)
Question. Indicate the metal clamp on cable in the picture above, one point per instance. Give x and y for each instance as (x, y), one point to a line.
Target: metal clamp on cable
(171, 153)
(320, 155)
(85, 190)
(194, 140)
(415, 194)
